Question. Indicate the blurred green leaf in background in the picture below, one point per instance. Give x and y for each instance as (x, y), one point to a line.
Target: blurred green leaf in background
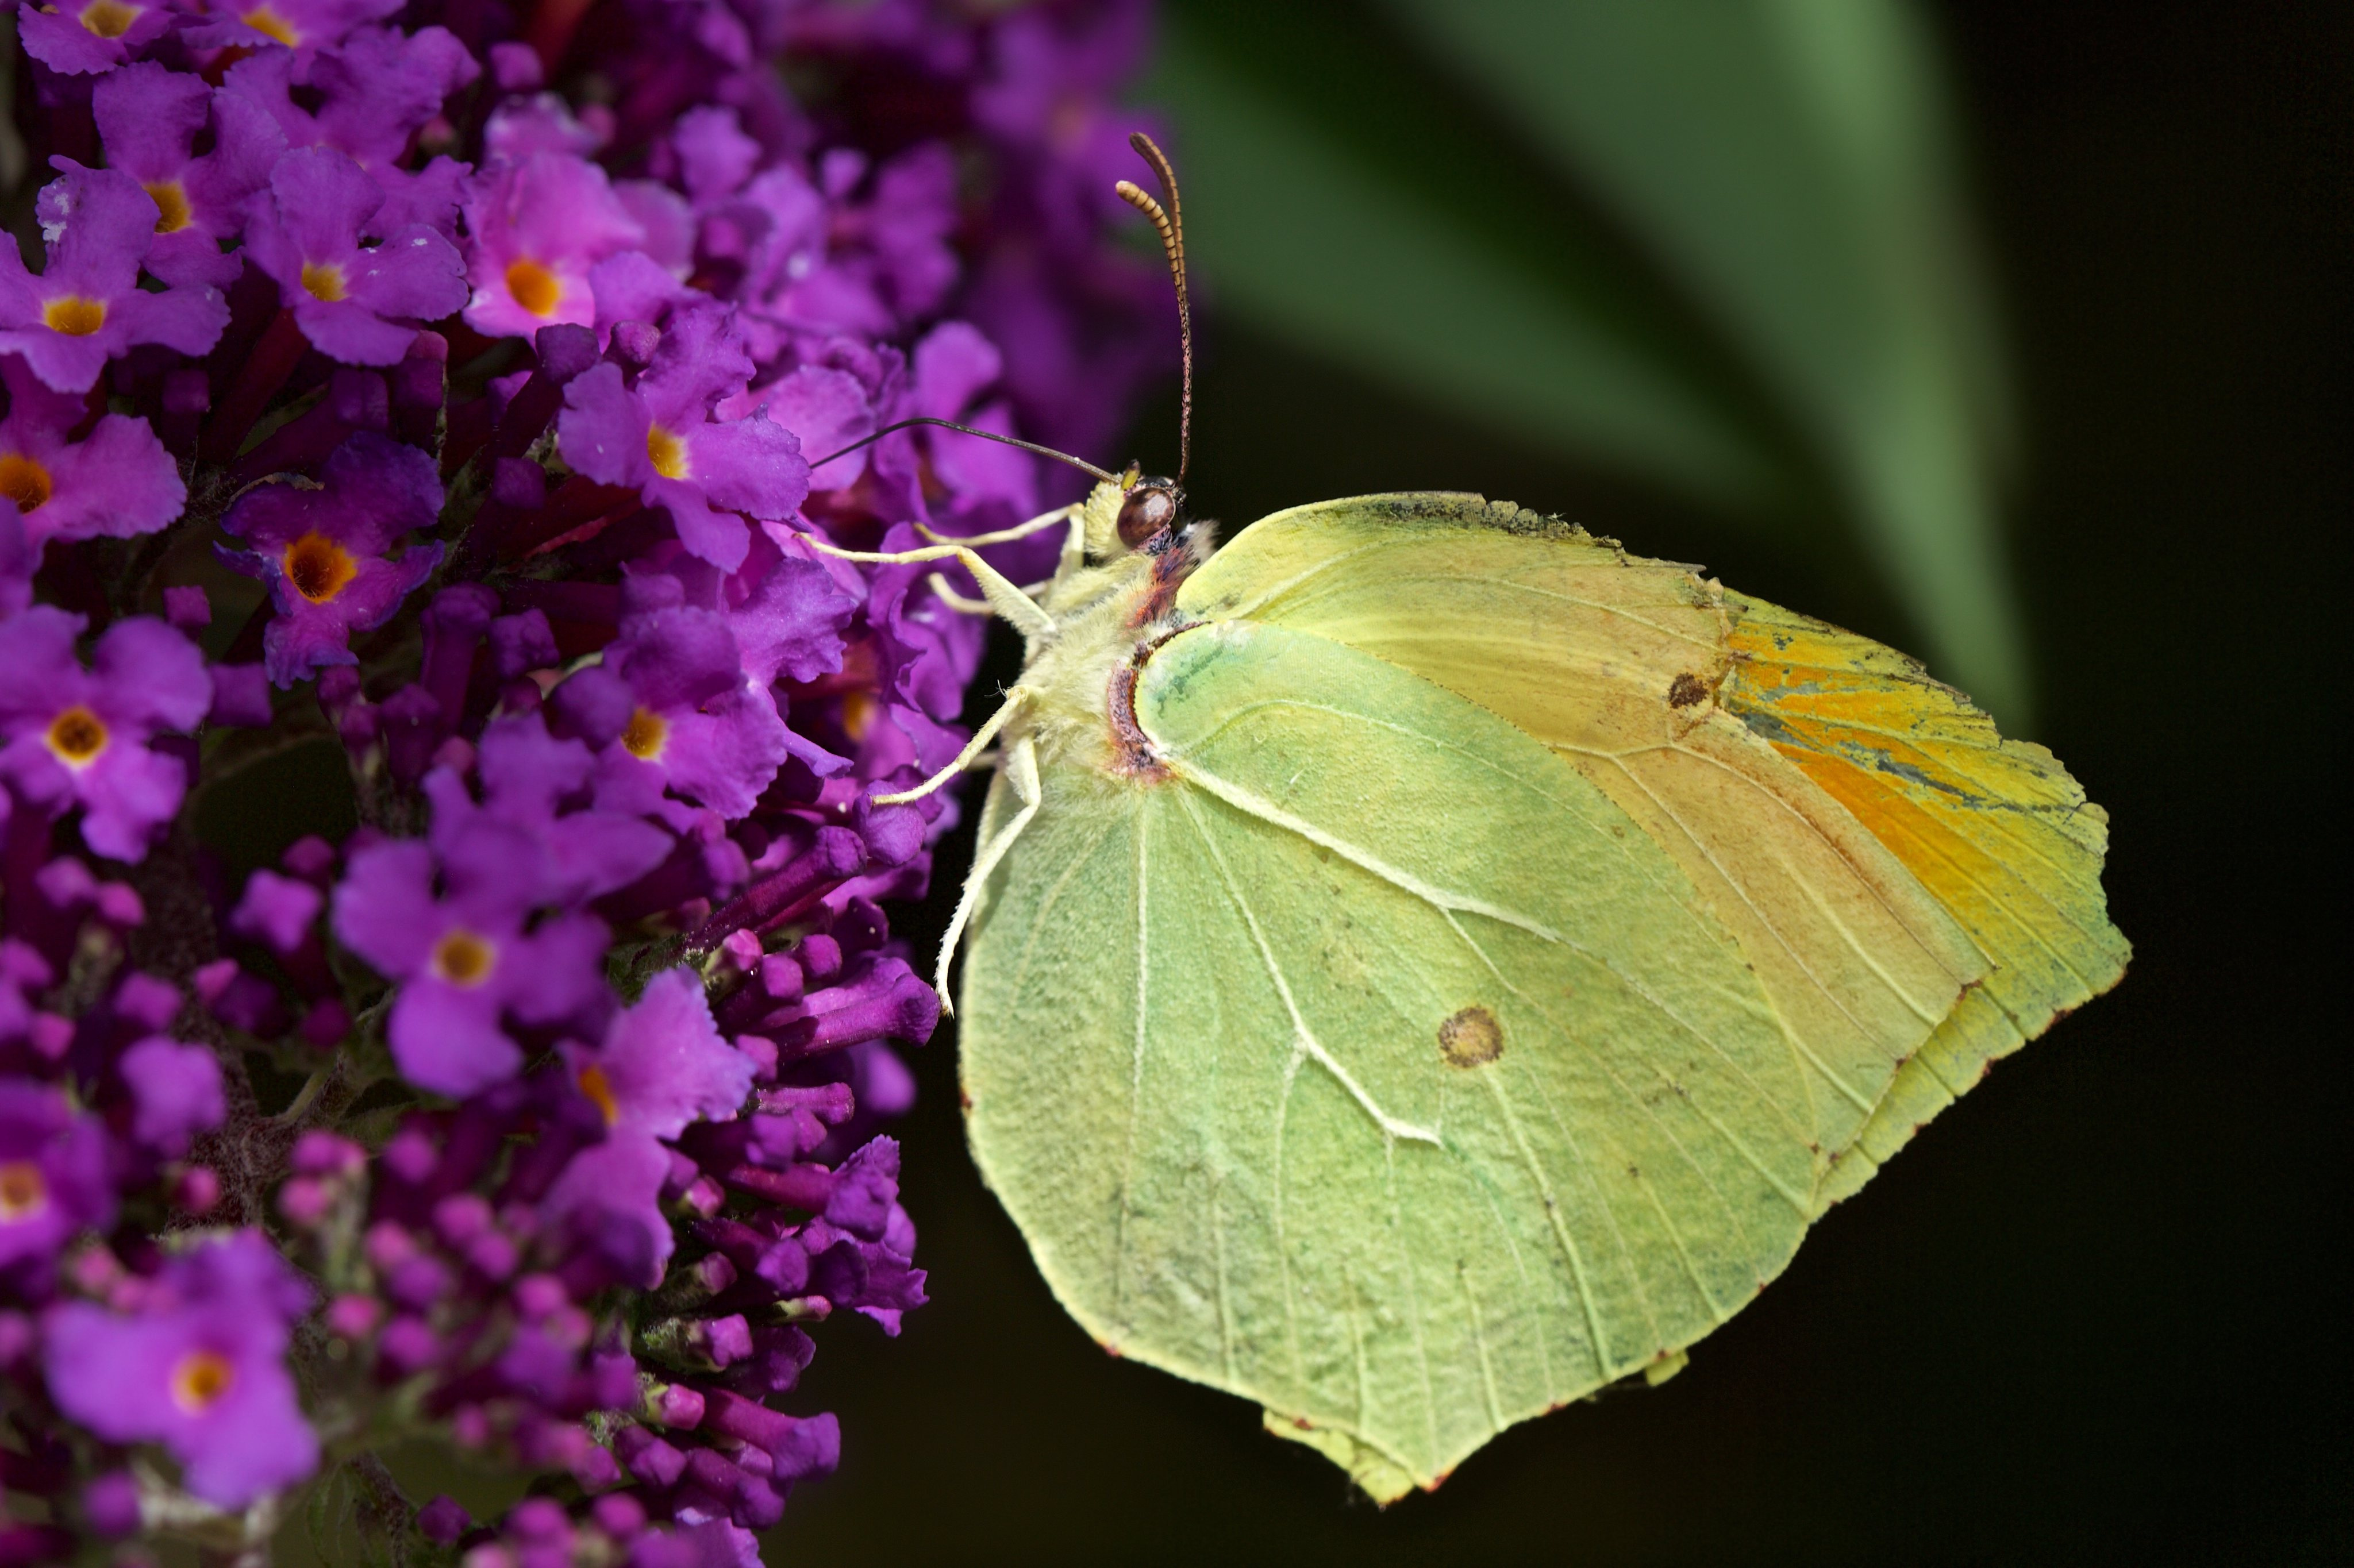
(1718, 246)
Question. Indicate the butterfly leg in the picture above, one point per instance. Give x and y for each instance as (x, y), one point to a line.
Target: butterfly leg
(964, 606)
(1021, 773)
(1044, 521)
(964, 759)
(1002, 594)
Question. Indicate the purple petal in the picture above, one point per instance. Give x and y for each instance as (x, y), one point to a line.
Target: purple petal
(120, 481)
(664, 1063)
(384, 909)
(603, 430)
(151, 676)
(448, 1040)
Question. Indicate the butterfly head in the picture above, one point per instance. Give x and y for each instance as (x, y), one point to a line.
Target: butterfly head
(1134, 514)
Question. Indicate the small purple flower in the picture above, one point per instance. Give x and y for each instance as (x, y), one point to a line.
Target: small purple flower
(527, 775)
(536, 227)
(305, 27)
(83, 37)
(696, 724)
(324, 549)
(463, 957)
(199, 1367)
(276, 911)
(53, 1181)
(86, 306)
(309, 235)
(73, 736)
(118, 481)
(661, 437)
(149, 118)
(663, 1065)
(175, 1093)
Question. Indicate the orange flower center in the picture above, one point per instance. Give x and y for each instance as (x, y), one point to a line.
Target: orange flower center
(24, 1191)
(322, 280)
(108, 18)
(264, 20)
(200, 1379)
(644, 736)
(464, 959)
(171, 200)
(318, 566)
(667, 453)
(73, 315)
(599, 1087)
(858, 705)
(534, 286)
(77, 735)
(24, 481)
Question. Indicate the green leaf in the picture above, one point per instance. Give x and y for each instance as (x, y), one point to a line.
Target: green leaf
(1719, 245)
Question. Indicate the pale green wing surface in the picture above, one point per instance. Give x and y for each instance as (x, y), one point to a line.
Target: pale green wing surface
(1373, 1064)
(1615, 663)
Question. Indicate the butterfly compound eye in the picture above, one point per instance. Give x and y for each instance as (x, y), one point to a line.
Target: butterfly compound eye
(1149, 507)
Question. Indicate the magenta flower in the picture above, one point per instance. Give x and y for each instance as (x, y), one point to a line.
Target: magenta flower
(74, 737)
(53, 1181)
(149, 120)
(536, 227)
(661, 437)
(323, 550)
(175, 1094)
(465, 957)
(86, 306)
(355, 302)
(663, 1065)
(304, 26)
(689, 719)
(527, 775)
(118, 481)
(199, 1367)
(84, 36)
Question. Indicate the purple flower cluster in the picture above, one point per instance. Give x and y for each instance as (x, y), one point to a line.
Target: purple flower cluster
(441, 382)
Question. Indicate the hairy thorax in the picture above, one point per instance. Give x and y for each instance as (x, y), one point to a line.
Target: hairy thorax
(1109, 619)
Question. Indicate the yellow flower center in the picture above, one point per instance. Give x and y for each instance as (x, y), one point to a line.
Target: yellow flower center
(109, 19)
(322, 280)
(24, 481)
(464, 959)
(534, 286)
(73, 315)
(171, 200)
(77, 735)
(667, 453)
(264, 20)
(24, 1191)
(858, 705)
(599, 1087)
(200, 1379)
(644, 736)
(318, 566)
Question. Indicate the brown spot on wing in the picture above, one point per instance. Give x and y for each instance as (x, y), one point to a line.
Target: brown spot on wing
(1472, 1038)
(1685, 690)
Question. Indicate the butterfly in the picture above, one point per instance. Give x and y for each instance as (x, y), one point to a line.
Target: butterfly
(1424, 963)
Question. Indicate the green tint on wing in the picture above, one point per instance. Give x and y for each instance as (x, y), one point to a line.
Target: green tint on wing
(1615, 663)
(1375, 1066)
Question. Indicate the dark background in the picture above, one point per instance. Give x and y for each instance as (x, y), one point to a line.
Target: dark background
(2096, 1311)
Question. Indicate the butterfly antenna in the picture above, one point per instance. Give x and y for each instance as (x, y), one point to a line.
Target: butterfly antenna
(1172, 225)
(967, 430)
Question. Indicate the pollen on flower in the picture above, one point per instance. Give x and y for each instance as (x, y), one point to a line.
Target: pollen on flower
(24, 1191)
(599, 1088)
(644, 736)
(77, 735)
(268, 23)
(318, 566)
(199, 1380)
(464, 959)
(24, 481)
(171, 200)
(666, 451)
(71, 313)
(323, 281)
(108, 19)
(858, 707)
(532, 286)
